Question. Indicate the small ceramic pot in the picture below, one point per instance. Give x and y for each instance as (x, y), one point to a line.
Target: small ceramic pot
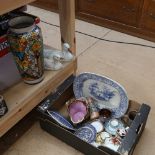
(105, 113)
(3, 106)
(77, 110)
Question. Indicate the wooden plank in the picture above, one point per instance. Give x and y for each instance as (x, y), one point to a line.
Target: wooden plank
(9, 5)
(18, 131)
(67, 22)
(22, 98)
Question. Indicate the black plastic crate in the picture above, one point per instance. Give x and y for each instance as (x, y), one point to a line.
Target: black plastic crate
(56, 101)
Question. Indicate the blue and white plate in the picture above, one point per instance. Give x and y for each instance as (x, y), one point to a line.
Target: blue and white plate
(60, 120)
(107, 93)
(87, 133)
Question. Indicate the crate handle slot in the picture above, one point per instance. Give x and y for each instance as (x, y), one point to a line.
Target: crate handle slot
(139, 129)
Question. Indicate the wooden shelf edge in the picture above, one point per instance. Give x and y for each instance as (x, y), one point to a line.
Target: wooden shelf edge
(10, 5)
(38, 92)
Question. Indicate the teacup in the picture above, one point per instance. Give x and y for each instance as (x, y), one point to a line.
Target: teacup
(113, 123)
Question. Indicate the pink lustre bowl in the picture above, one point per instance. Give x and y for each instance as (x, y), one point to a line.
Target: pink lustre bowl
(77, 110)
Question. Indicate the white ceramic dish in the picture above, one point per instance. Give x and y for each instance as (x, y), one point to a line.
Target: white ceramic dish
(98, 125)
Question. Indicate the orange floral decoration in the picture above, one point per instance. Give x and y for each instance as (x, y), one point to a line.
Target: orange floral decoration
(36, 46)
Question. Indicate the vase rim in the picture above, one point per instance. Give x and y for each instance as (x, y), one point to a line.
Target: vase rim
(21, 22)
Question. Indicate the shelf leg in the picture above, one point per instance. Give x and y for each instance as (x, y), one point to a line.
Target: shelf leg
(67, 23)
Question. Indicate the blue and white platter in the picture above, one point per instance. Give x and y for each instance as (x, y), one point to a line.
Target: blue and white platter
(58, 118)
(87, 133)
(107, 93)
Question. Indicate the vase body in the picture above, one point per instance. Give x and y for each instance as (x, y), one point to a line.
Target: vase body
(26, 44)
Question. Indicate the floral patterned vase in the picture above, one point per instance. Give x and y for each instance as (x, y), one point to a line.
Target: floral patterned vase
(26, 44)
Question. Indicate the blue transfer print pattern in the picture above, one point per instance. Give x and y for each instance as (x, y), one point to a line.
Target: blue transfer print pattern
(86, 133)
(60, 120)
(105, 94)
(78, 91)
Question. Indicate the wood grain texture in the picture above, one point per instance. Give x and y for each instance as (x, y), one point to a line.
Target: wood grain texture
(22, 98)
(124, 11)
(148, 15)
(9, 5)
(134, 17)
(67, 22)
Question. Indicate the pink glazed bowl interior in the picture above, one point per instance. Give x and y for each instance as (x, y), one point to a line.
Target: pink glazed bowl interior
(77, 111)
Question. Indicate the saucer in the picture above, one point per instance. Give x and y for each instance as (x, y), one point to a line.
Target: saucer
(86, 133)
(113, 125)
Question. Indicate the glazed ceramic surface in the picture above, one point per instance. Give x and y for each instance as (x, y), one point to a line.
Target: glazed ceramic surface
(113, 125)
(98, 125)
(106, 93)
(52, 59)
(77, 110)
(121, 132)
(67, 55)
(86, 133)
(26, 44)
(112, 143)
(60, 120)
(50, 53)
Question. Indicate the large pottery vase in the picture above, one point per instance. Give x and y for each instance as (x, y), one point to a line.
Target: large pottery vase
(26, 44)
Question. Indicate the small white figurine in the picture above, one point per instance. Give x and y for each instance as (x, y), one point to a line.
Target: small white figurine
(67, 56)
(53, 64)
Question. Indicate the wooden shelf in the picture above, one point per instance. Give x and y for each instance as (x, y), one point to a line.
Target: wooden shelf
(22, 98)
(9, 5)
